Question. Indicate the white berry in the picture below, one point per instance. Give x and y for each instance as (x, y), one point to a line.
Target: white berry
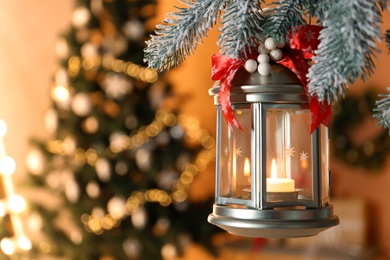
(263, 58)
(281, 44)
(276, 54)
(250, 65)
(264, 69)
(270, 43)
(262, 49)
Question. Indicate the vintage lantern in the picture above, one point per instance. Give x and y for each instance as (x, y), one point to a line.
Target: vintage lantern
(272, 178)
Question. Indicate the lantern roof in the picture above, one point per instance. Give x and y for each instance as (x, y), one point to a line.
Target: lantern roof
(281, 85)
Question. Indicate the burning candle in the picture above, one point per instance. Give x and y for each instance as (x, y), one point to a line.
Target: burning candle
(275, 184)
(247, 168)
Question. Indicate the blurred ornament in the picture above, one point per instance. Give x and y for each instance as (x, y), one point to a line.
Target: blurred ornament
(34, 223)
(166, 178)
(81, 104)
(62, 48)
(121, 168)
(162, 138)
(117, 141)
(90, 125)
(92, 189)
(116, 207)
(177, 132)
(103, 169)
(61, 77)
(115, 45)
(134, 30)
(111, 108)
(132, 248)
(88, 50)
(82, 35)
(51, 120)
(161, 226)
(356, 139)
(96, 6)
(168, 251)
(69, 145)
(80, 17)
(143, 159)
(116, 86)
(183, 159)
(131, 122)
(184, 240)
(139, 218)
(53, 179)
(76, 237)
(72, 191)
(157, 94)
(182, 206)
(59, 161)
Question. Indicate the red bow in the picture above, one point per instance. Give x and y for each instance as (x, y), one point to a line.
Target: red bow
(298, 50)
(224, 68)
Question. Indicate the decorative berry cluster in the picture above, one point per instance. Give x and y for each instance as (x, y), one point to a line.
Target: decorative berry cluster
(269, 49)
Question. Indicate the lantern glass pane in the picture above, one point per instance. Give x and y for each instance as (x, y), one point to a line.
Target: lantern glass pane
(324, 164)
(288, 155)
(235, 151)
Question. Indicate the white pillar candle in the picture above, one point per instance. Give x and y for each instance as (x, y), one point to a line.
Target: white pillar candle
(275, 184)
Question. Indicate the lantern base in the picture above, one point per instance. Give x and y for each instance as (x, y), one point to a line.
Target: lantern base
(273, 223)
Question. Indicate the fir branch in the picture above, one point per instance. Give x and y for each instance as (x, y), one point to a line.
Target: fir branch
(347, 47)
(387, 39)
(284, 17)
(241, 29)
(310, 6)
(383, 3)
(181, 32)
(382, 110)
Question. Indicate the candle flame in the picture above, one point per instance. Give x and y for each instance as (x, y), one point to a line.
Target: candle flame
(247, 167)
(274, 175)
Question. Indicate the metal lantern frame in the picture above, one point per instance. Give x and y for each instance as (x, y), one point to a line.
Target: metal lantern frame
(262, 213)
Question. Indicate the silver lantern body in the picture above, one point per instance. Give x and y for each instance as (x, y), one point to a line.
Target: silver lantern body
(272, 178)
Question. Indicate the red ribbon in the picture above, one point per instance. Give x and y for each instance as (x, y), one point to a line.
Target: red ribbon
(224, 68)
(299, 49)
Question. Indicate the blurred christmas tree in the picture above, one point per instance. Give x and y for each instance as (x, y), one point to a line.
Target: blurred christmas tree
(14, 244)
(119, 160)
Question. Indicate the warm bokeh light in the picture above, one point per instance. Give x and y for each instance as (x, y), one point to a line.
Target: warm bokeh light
(16, 203)
(60, 93)
(24, 243)
(34, 162)
(7, 165)
(6, 246)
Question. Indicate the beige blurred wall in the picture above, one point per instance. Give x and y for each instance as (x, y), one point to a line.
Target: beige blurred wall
(28, 32)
